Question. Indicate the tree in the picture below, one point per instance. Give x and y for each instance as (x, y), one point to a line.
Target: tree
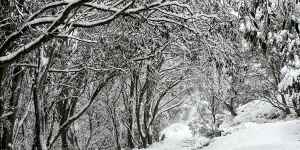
(270, 27)
(46, 53)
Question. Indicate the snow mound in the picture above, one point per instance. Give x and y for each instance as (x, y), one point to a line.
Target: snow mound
(255, 111)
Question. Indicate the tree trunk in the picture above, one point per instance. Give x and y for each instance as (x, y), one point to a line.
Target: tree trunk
(149, 135)
(133, 88)
(64, 143)
(39, 102)
(295, 105)
(116, 132)
(130, 143)
(230, 109)
(63, 112)
(138, 110)
(5, 139)
(39, 137)
(286, 108)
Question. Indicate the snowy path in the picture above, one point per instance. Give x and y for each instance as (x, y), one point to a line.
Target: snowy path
(267, 136)
(178, 137)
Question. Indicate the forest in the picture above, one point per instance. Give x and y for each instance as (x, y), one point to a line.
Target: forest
(117, 74)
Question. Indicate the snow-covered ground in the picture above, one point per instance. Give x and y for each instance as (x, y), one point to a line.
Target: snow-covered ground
(283, 135)
(250, 130)
(178, 136)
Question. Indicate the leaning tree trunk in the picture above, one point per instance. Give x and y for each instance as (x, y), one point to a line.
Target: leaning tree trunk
(230, 108)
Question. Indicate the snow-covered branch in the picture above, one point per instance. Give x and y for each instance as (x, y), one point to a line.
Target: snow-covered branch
(75, 38)
(83, 110)
(48, 6)
(6, 115)
(67, 70)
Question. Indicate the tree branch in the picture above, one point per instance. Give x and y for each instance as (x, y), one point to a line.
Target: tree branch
(73, 118)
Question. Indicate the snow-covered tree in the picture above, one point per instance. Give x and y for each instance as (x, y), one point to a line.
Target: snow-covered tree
(271, 32)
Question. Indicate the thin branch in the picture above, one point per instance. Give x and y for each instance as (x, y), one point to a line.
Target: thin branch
(171, 107)
(6, 115)
(48, 6)
(67, 70)
(75, 38)
(173, 22)
(3, 25)
(102, 21)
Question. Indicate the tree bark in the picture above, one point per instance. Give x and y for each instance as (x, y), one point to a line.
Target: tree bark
(295, 105)
(63, 113)
(230, 108)
(286, 108)
(39, 137)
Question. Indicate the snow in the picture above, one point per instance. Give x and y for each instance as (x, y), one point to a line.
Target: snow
(44, 60)
(289, 78)
(255, 111)
(178, 136)
(252, 129)
(234, 13)
(291, 74)
(282, 135)
(296, 14)
(177, 130)
(249, 25)
(254, 136)
(297, 61)
(259, 13)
